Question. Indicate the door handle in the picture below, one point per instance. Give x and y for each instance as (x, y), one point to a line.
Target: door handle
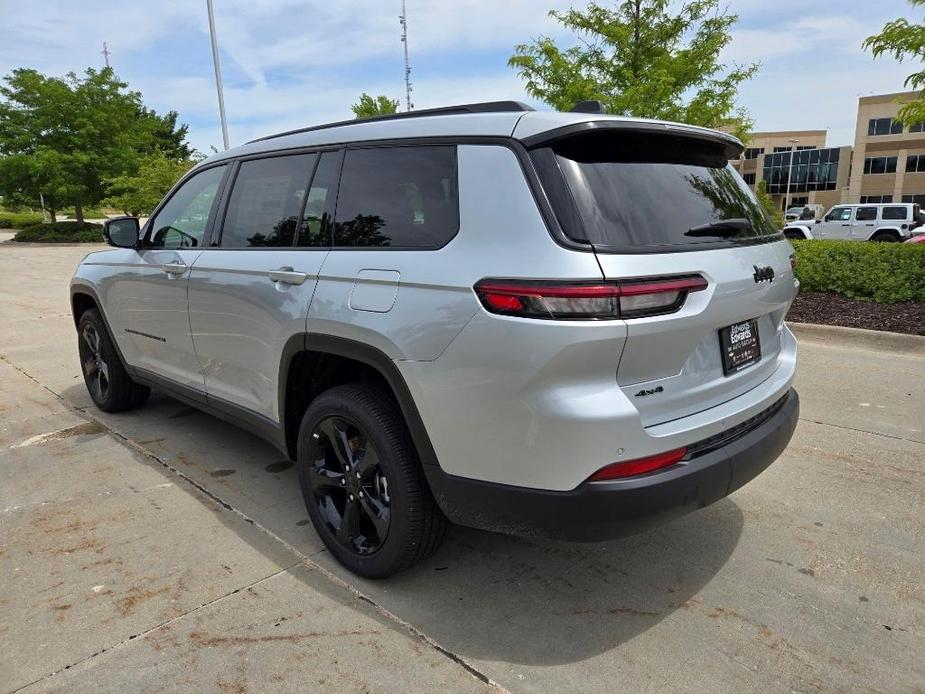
(287, 275)
(846, 225)
(175, 268)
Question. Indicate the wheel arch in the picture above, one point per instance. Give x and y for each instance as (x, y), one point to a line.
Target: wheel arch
(886, 230)
(311, 363)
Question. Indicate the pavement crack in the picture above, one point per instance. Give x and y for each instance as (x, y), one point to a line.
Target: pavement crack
(862, 431)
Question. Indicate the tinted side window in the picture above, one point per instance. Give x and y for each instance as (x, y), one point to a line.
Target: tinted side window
(181, 223)
(316, 221)
(894, 212)
(839, 214)
(266, 201)
(866, 214)
(398, 197)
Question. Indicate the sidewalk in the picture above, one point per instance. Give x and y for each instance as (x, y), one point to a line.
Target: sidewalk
(102, 588)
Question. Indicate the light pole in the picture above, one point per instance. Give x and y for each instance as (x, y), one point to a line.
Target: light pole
(218, 74)
(792, 142)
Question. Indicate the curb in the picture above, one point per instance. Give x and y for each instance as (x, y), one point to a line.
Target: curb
(856, 337)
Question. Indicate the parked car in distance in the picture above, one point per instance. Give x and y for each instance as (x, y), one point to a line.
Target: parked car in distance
(874, 222)
(918, 238)
(802, 213)
(556, 324)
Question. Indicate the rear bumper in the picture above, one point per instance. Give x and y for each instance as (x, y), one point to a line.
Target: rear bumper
(597, 511)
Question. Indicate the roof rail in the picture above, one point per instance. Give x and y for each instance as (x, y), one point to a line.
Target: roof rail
(483, 107)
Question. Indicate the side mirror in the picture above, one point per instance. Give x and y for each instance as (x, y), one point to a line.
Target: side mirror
(122, 232)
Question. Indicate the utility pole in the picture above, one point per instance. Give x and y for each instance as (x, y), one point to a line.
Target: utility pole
(105, 53)
(403, 19)
(218, 74)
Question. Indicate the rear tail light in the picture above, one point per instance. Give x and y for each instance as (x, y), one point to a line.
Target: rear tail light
(587, 300)
(631, 468)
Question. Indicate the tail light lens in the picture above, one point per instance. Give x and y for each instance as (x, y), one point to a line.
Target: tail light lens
(631, 468)
(587, 300)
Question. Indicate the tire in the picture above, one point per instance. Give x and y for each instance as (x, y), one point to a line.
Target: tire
(107, 381)
(884, 237)
(381, 517)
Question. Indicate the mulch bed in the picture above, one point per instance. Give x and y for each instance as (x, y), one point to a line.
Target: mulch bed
(831, 309)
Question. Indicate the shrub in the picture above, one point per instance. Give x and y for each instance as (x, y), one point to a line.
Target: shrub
(883, 272)
(19, 220)
(61, 232)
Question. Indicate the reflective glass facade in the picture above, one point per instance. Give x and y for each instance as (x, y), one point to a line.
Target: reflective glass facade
(813, 169)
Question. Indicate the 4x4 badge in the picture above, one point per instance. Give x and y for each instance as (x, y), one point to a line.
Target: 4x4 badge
(650, 391)
(763, 274)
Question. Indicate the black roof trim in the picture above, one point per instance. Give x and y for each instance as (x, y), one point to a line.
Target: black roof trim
(482, 107)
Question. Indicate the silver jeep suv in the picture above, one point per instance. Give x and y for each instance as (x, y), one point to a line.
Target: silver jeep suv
(557, 324)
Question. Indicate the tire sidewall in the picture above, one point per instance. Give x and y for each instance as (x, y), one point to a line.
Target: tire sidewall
(392, 554)
(92, 318)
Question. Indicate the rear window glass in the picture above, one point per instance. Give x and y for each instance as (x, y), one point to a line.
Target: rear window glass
(397, 197)
(642, 192)
(894, 213)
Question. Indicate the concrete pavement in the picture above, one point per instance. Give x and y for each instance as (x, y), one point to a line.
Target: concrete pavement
(181, 548)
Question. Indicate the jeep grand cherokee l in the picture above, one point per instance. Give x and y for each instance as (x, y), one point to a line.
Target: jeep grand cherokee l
(557, 324)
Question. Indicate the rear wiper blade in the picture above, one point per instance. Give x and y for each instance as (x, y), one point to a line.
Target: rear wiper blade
(724, 227)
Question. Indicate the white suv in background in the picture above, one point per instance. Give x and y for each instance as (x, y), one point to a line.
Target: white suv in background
(561, 324)
(881, 222)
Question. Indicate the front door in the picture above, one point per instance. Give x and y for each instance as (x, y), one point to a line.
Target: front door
(147, 303)
(836, 225)
(250, 292)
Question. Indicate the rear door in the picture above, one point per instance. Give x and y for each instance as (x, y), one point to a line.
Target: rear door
(250, 292)
(656, 206)
(864, 223)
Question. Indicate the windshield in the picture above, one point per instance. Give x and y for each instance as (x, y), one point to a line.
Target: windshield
(645, 193)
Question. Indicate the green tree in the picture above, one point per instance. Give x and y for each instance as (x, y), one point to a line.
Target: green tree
(765, 200)
(368, 106)
(902, 39)
(166, 135)
(138, 193)
(65, 137)
(646, 58)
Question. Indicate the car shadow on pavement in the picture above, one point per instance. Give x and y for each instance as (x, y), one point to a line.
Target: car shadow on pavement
(482, 596)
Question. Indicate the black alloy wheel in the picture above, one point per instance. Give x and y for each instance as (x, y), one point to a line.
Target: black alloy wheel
(349, 487)
(95, 366)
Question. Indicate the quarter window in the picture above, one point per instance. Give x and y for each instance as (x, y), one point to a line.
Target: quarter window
(401, 197)
(182, 222)
(894, 212)
(866, 214)
(266, 202)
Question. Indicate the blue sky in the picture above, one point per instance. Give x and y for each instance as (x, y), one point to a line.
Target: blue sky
(290, 63)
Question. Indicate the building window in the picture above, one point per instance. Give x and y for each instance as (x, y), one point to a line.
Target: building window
(783, 149)
(800, 147)
(749, 179)
(917, 127)
(753, 152)
(813, 169)
(884, 126)
(874, 199)
(880, 165)
(920, 199)
(915, 162)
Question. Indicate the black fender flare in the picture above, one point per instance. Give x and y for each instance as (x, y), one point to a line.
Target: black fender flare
(371, 356)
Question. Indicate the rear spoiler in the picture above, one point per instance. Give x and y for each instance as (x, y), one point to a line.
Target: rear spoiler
(732, 147)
